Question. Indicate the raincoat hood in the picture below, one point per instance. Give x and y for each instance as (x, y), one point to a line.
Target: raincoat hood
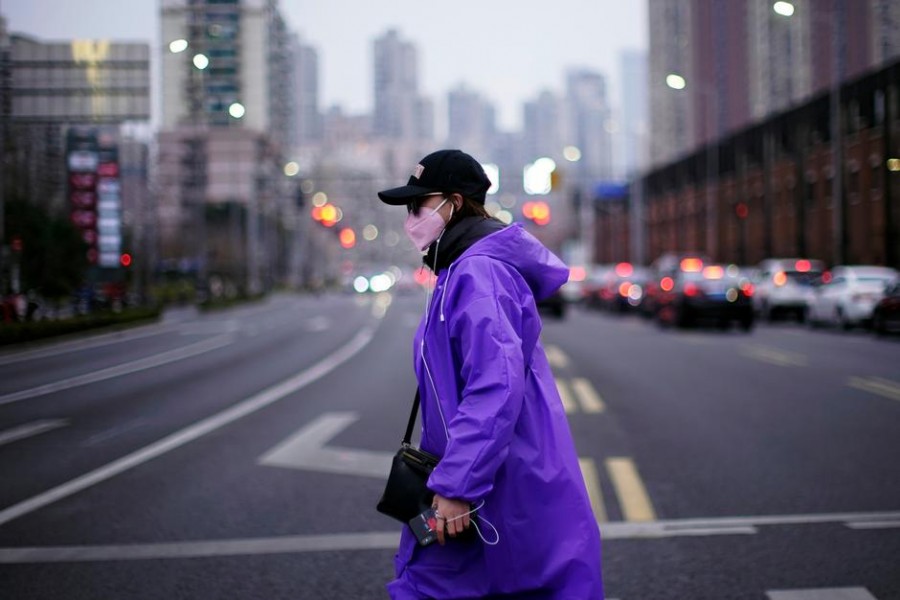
(542, 270)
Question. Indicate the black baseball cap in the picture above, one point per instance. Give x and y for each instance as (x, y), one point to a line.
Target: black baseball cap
(444, 171)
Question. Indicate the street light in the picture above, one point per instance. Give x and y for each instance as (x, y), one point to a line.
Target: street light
(237, 110)
(677, 82)
(785, 9)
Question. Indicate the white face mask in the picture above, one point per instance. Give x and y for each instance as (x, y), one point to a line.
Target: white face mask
(424, 229)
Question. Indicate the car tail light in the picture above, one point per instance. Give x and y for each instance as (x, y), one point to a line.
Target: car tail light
(624, 269)
(780, 278)
(747, 288)
(803, 265)
(826, 277)
(624, 289)
(691, 290)
(691, 265)
(713, 272)
(666, 284)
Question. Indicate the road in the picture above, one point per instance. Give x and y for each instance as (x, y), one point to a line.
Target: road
(239, 454)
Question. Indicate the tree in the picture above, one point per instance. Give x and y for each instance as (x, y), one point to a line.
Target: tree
(53, 257)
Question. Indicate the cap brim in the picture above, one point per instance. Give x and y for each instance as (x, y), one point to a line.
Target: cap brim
(403, 195)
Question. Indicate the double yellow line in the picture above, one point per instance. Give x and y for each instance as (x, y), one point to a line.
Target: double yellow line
(634, 501)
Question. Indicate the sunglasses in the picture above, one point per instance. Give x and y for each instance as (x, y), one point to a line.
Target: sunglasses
(414, 206)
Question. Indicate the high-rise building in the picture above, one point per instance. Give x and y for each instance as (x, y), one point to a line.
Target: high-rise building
(589, 122)
(228, 104)
(718, 66)
(400, 112)
(543, 128)
(471, 121)
(633, 126)
(306, 121)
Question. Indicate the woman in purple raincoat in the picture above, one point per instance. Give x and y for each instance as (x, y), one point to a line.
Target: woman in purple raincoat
(490, 408)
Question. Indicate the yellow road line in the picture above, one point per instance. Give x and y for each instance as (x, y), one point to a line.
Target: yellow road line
(592, 483)
(632, 494)
(590, 400)
(556, 357)
(566, 396)
(774, 356)
(876, 385)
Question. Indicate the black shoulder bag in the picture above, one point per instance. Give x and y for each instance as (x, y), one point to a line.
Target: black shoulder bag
(406, 494)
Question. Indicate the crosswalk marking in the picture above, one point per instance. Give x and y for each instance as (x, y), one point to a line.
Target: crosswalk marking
(556, 357)
(566, 396)
(30, 429)
(590, 400)
(876, 385)
(592, 482)
(632, 494)
(847, 593)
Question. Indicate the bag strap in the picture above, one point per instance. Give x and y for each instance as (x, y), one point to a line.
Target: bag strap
(412, 419)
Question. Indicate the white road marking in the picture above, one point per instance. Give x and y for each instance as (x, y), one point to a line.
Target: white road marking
(305, 450)
(192, 432)
(774, 356)
(874, 525)
(389, 540)
(30, 429)
(556, 357)
(106, 339)
(847, 593)
(876, 385)
(590, 400)
(117, 371)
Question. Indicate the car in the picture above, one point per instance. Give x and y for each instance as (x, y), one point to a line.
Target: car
(785, 286)
(848, 295)
(555, 304)
(714, 293)
(623, 287)
(662, 270)
(886, 315)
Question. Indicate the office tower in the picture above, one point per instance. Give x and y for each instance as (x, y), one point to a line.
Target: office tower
(589, 123)
(471, 121)
(306, 125)
(400, 112)
(543, 126)
(633, 125)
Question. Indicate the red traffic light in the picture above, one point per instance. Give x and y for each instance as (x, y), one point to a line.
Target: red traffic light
(125, 260)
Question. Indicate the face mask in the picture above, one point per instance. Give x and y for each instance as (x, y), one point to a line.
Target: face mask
(423, 229)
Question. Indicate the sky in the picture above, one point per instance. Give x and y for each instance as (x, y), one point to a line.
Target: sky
(507, 50)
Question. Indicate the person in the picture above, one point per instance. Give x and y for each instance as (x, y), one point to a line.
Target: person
(490, 408)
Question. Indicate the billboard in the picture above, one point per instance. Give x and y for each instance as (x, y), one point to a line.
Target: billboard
(94, 192)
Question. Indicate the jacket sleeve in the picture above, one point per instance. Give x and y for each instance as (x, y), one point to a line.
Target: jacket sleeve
(485, 331)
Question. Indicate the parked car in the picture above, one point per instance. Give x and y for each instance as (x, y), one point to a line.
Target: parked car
(886, 315)
(849, 295)
(785, 286)
(713, 293)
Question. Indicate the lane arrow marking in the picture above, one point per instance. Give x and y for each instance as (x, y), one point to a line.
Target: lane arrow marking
(306, 450)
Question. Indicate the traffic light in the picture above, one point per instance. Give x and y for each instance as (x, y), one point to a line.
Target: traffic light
(741, 210)
(538, 212)
(347, 237)
(125, 260)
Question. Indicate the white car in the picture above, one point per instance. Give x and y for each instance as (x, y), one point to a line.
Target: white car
(784, 286)
(850, 295)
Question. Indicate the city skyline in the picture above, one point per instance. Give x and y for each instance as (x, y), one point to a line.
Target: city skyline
(507, 53)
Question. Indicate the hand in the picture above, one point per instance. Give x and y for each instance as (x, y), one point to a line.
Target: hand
(451, 514)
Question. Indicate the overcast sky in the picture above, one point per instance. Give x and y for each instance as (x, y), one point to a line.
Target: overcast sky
(508, 50)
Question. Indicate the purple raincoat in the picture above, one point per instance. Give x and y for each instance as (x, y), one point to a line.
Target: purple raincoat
(491, 410)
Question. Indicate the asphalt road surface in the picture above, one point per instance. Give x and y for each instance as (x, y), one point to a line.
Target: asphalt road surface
(239, 454)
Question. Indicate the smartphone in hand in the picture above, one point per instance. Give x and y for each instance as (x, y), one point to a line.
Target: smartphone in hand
(424, 525)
